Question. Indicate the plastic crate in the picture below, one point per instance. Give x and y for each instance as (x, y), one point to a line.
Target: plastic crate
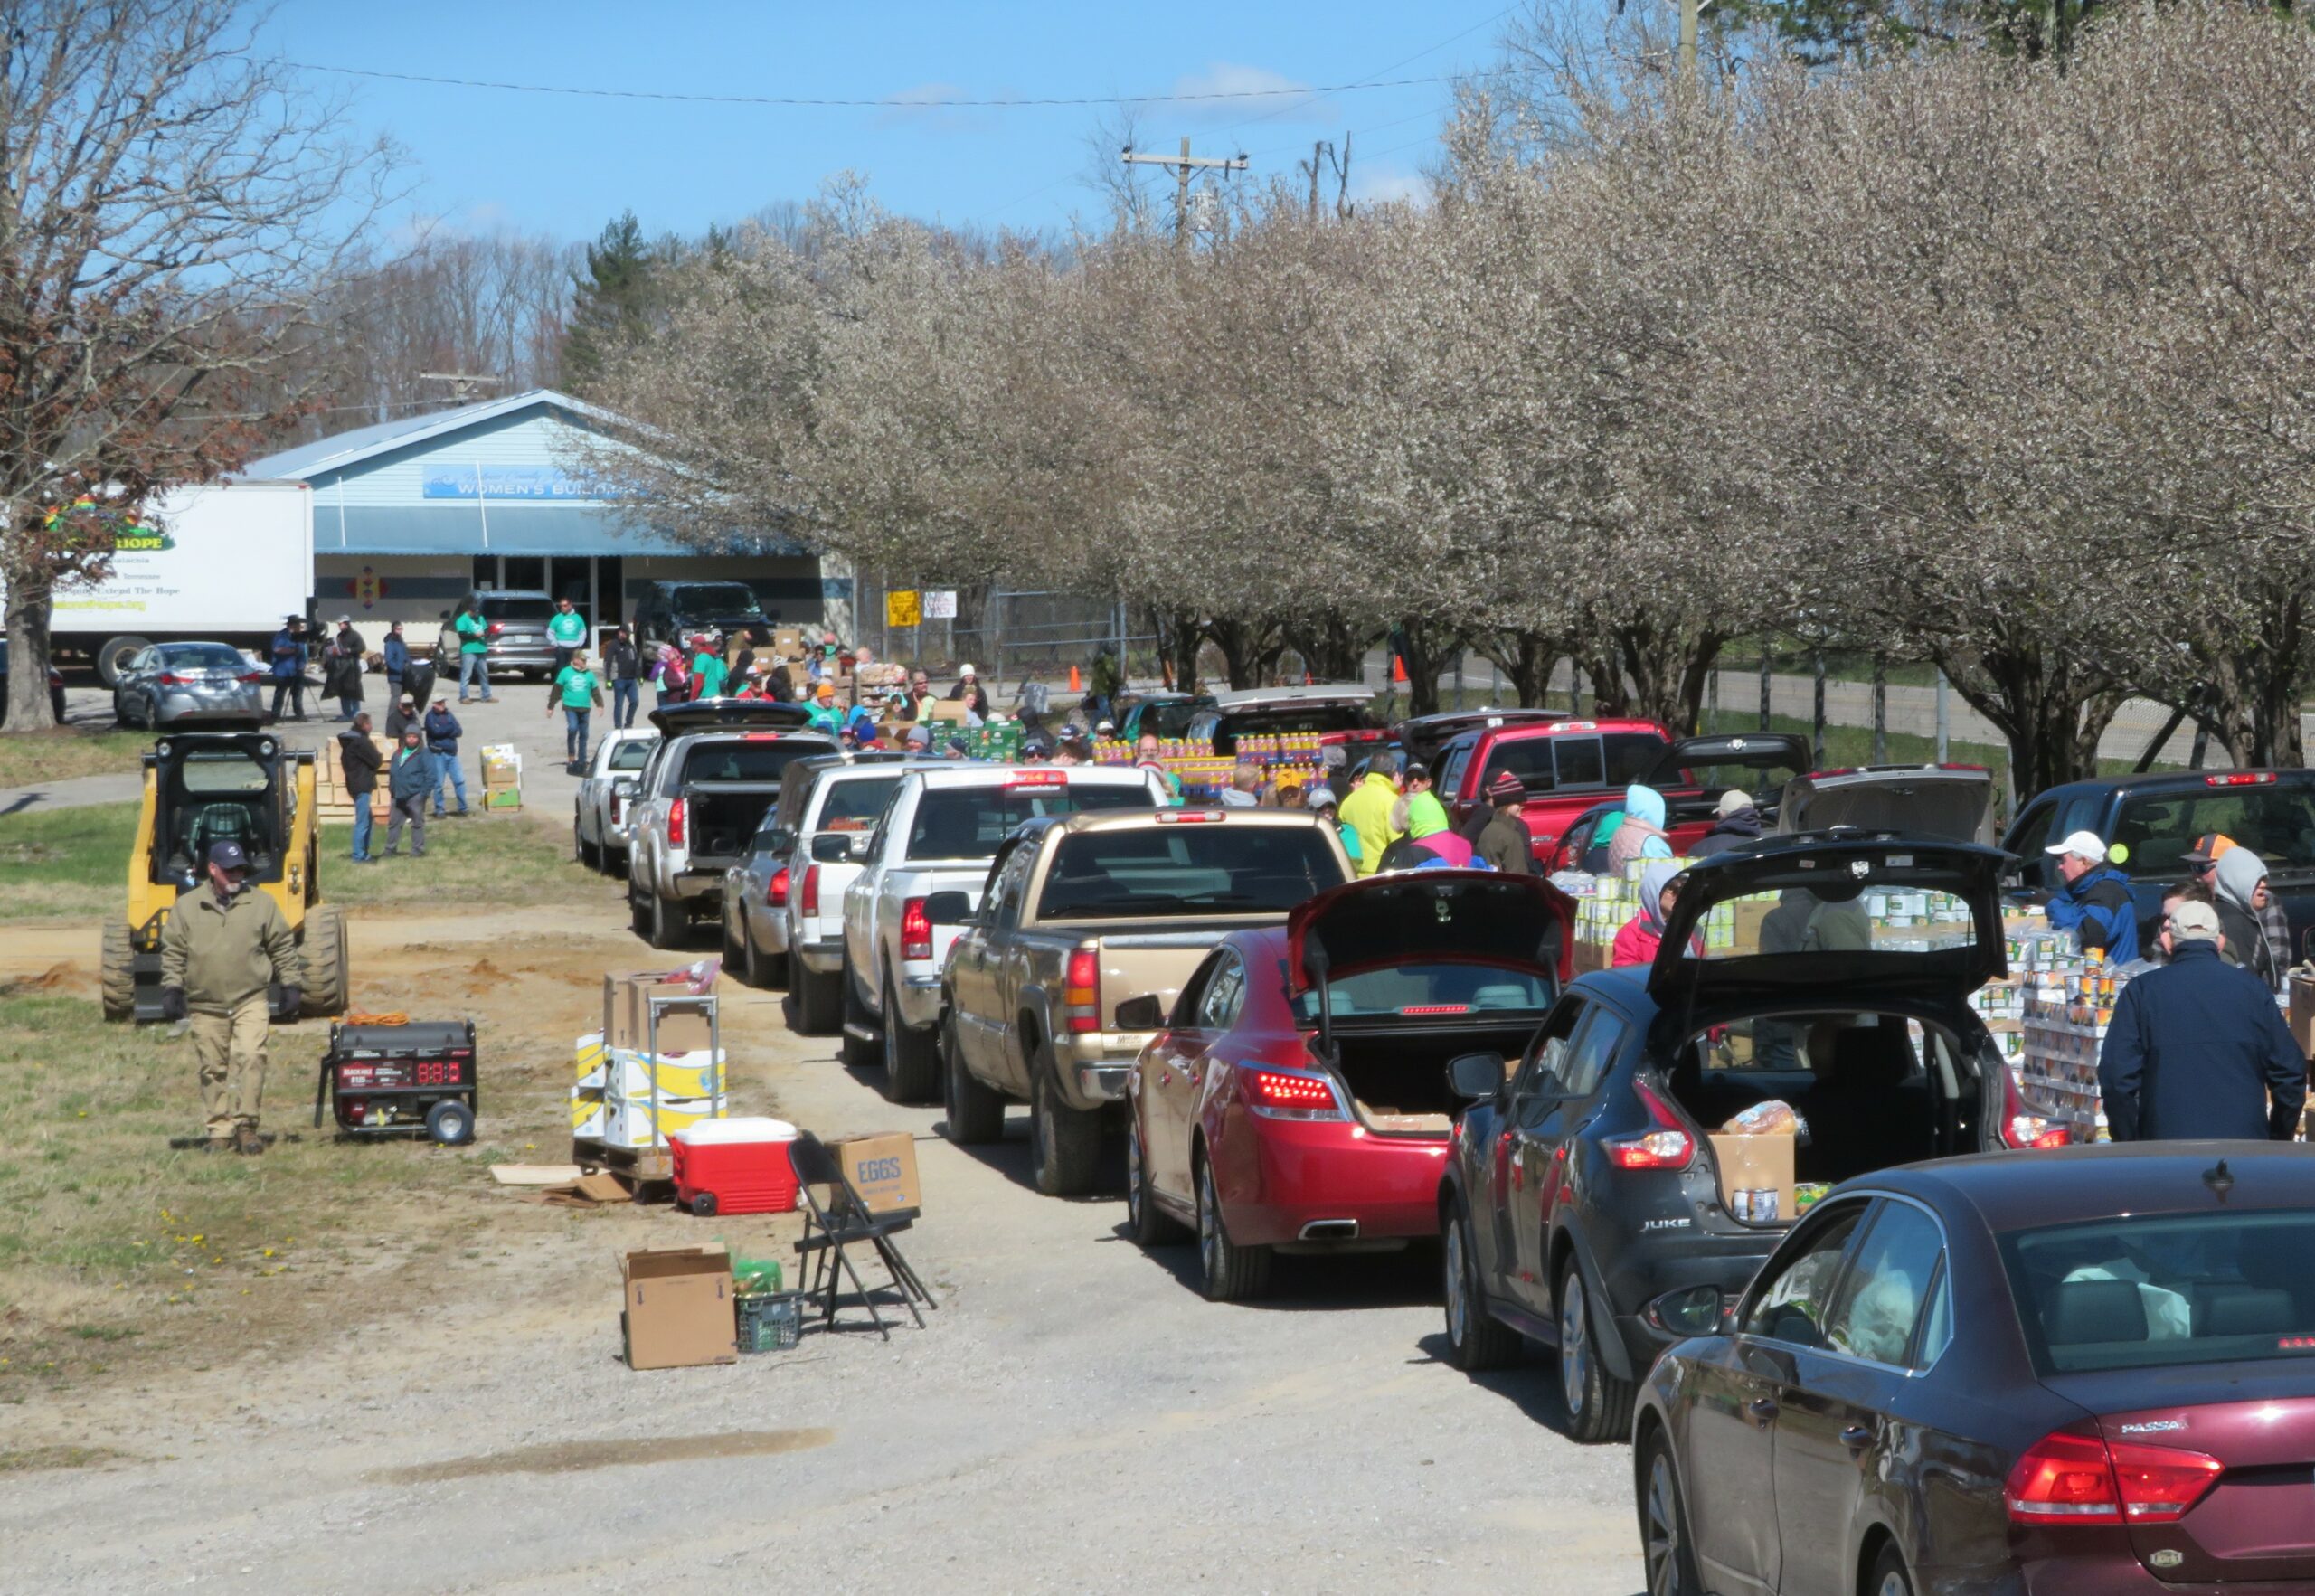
(769, 1321)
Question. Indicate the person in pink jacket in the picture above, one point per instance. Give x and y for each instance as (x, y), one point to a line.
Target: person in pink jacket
(1643, 933)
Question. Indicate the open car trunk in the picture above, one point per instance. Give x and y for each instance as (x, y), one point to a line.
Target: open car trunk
(1398, 1078)
(722, 819)
(1872, 1091)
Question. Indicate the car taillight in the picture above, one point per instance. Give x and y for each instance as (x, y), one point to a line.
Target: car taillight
(493, 629)
(1188, 817)
(2022, 1128)
(2240, 778)
(1081, 993)
(171, 679)
(1037, 779)
(2075, 1476)
(253, 676)
(1288, 1094)
(916, 930)
(1665, 1144)
(807, 899)
(675, 819)
(776, 894)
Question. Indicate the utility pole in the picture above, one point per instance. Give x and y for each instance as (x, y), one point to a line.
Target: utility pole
(1184, 166)
(1316, 164)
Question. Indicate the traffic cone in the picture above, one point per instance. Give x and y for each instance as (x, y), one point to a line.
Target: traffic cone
(1074, 685)
(1398, 670)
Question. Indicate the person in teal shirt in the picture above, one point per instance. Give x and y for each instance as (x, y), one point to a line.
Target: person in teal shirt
(474, 650)
(708, 670)
(580, 691)
(566, 628)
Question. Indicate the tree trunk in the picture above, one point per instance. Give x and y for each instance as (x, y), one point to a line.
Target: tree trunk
(1250, 648)
(1179, 638)
(1527, 657)
(1332, 647)
(1430, 645)
(1669, 666)
(2050, 712)
(31, 603)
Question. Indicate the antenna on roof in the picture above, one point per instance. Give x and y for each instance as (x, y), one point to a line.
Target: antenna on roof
(462, 383)
(2220, 1179)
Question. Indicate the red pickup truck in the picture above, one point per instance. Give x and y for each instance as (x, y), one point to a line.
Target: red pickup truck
(1570, 766)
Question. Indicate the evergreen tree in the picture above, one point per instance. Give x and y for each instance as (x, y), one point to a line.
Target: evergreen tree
(610, 302)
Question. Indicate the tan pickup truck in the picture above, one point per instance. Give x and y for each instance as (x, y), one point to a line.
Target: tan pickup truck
(1081, 912)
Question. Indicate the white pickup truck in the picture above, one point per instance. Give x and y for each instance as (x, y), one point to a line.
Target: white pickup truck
(826, 821)
(599, 813)
(938, 835)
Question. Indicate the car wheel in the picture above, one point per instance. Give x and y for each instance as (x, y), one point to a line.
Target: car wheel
(1476, 1338)
(1144, 1222)
(1227, 1272)
(588, 855)
(666, 930)
(1065, 1143)
(858, 1053)
(912, 1057)
(1599, 1405)
(818, 1002)
(1665, 1552)
(1889, 1575)
(975, 1112)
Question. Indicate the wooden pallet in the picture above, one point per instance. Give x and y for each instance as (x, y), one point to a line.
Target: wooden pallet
(643, 1166)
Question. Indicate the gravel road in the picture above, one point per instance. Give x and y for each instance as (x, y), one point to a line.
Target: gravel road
(1074, 1418)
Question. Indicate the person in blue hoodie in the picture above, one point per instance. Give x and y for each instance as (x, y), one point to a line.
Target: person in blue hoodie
(2095, 903)
(394, 659)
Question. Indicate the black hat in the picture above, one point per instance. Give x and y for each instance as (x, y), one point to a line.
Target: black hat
(228, 856)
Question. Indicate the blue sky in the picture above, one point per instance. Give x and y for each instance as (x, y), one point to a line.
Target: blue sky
(564, 165)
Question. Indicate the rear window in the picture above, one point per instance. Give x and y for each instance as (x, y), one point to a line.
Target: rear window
(1631, 755)
(2275, 821)
(2142, 1292)
(1187, 870)
(1428, 991)
(631, 755)
(495, 609)
(744, 760)
(1797, 920)
(202, 657)
(721, 598)
(1167, 720)
(856, 805)
(1288, 718)
(968, 822)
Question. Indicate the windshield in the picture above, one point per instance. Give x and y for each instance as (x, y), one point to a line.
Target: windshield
(745, 759)
(711, 599)
(2141, 1292)
(632, 754)
(858, 804)
(1187, 870)
(496, 607)
(1295, 717)
(2275, 821)
(1838, 921)
(1429, 991)
(968, 822)
(1171, 719)
(202, 657)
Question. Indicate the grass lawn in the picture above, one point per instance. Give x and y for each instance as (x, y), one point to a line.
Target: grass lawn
(73, 863)
(30, 758)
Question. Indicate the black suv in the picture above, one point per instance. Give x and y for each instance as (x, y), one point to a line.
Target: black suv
(1582, 1203)
(671, 611)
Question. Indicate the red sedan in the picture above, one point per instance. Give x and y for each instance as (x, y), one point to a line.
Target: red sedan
(1298, 1099)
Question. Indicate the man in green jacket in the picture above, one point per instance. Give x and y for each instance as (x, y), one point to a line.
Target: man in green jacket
(566, 628)
(1367, 810)
(218, 952)
(474, 650)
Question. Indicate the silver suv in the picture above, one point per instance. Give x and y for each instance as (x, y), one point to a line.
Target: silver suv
(515, 622)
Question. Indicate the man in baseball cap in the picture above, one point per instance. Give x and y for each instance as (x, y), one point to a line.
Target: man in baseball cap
(2095, 898)
(2196, 1049)
(220, 951)
(1736, 824)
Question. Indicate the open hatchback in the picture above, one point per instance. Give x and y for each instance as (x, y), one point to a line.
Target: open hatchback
(730, 715)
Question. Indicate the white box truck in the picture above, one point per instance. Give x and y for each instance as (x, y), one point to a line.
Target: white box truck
(220, 562)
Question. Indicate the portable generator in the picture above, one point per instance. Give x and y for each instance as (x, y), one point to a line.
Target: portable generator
(416, 1079)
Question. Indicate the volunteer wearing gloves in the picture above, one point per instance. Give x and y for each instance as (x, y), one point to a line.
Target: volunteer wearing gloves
(218, 952)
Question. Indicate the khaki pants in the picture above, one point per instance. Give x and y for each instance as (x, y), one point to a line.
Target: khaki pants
(229, 1051)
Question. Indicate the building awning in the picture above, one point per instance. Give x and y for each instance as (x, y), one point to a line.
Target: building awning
(490, 527)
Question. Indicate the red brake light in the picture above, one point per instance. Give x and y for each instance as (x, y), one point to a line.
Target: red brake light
(496, 629)
(2240, 778)
(1666, 1144)
(916, 930)
(1436, 1008)
(2077, 1477)
(1188, 817)
(1082, 995)
(675, 820)
(759, 736)
(1037, 779)
(1287, 1094)
(809, 902)
(253, 676)
(776, 893)
(2021, 1128)
(171, 679)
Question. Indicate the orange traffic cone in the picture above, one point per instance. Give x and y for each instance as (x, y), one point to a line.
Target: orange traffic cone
(1074, 685)
(1399, 669)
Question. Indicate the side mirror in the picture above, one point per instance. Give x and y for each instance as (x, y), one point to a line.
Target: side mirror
(1475, 1077)
(948, 907)
(1145, 1013)
(833, 847)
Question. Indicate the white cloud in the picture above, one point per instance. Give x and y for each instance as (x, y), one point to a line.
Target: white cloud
(1281, 98)
(1382, 185)
(920, 106)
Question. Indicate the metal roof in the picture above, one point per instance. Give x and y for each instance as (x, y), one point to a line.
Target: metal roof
(345, 451)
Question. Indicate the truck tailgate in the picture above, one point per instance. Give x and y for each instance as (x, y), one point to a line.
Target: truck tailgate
(1137, 962)
(719, 817)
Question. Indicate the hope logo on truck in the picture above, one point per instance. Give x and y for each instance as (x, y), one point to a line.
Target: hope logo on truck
(129, 537)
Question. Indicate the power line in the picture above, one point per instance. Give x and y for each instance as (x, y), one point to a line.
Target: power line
(1303, 92)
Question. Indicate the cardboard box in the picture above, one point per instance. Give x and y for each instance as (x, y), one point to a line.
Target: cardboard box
(627, 1016)
(627, 1122)
(883, 1170)
(2302, 1010)
(620, 1072)
(788, 642)
(1591, 956)
(1745, 916)
(950, 712)
(1754, 1162)
(502, 797)
(676, 1308)
(589, 1114)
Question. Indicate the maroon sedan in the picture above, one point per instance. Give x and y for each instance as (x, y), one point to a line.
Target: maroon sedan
(1298, 1099)
(2069, 1374)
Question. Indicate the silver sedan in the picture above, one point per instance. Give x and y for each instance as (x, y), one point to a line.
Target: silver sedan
(188, 684)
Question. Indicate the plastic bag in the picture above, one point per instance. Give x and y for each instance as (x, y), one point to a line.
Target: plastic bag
(1773, 1117)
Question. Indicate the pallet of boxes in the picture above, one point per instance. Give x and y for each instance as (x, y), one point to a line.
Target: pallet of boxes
(502, 777)
(656, 1065)
(331, 800)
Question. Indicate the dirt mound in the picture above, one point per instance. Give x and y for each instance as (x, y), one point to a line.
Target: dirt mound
(56, 978)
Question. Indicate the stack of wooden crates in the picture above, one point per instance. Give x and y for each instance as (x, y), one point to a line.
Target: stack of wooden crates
(331, 802)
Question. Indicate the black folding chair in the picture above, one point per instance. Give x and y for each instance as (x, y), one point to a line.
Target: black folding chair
(845, 1221)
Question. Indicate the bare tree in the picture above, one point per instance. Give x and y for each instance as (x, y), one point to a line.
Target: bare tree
(170, 206)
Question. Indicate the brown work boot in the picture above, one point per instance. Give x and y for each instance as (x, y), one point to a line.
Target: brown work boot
(222, 1144)
(247, 1140)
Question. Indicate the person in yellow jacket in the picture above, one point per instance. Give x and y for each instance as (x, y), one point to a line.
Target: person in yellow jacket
(1367, 811)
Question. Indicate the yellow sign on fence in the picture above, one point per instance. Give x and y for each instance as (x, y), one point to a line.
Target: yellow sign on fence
(901, 607)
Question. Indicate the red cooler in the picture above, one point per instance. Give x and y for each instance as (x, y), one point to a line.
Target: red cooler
(734, 1167)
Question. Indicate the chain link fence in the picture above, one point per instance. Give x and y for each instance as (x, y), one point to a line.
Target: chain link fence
(1008, 635)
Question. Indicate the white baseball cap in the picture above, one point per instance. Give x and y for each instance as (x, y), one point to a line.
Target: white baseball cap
(2084, 842)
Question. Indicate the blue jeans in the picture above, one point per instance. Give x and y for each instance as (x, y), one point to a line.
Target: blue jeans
(360, 826)
(575, 734)
(446, 768)
(625, 696)
(474, 670)
(348, 708)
